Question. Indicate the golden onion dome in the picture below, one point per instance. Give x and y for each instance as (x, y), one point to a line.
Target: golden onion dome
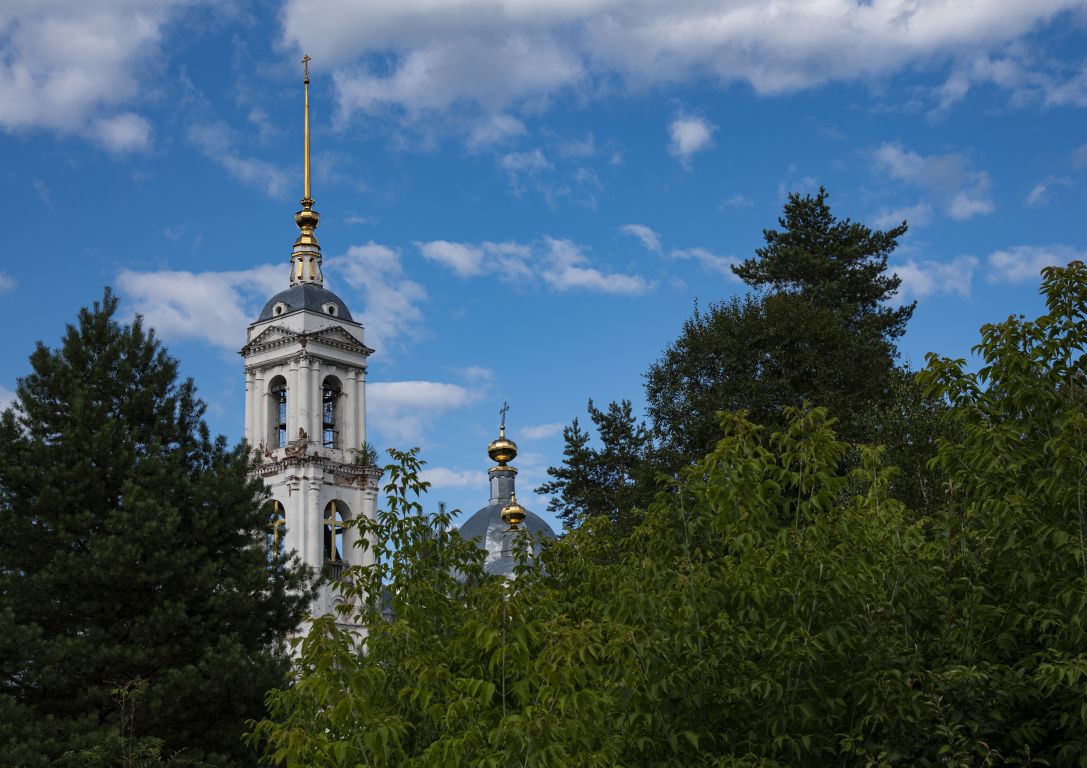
(513, 514)
(502, 450)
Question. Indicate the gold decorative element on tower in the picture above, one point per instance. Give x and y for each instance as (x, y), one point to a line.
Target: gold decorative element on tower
(513, 513)
(305, 176)
(502, 450)
(306, 254)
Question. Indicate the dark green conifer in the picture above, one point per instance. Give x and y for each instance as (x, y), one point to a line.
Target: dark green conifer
(611, 481)
(819, 330)
(133, 557)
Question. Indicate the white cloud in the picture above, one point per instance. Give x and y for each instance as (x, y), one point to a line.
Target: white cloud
(736, 201)
(476, 374)
(650, 239)
(216, 142)
(419, 55)
(1038, 195)
(966, 204)
(392, 301)
(1017, 68)
(1041, 192)
(1079, 156)
(7, 282)
(7, 397)
(805, 185)
(962, 191)
(402, 410)
(1024, 263)
(709, 260)
(443, 477)
(915, 215)
(584, 147)
(70, 66)
(124, 133)
(465, 260)
(267, 128)
(558, 263)
(507, 261)
(521, 165)
(525, 162)
(495, 129)
(214, 307)
(921, 278)
(689, 135)
(41, 189)
(567, 269)
(541, 431)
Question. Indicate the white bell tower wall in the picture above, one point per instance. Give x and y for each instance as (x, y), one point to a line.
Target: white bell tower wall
(305, 420)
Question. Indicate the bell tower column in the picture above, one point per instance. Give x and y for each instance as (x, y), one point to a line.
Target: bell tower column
(349, 401)
(360, 408)
(259, 409)
(304, 398)
(250, 380)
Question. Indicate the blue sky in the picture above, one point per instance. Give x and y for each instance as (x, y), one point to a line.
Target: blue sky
(521, 199)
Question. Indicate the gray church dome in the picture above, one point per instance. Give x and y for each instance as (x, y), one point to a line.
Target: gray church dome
(311, 296)
(487, 526)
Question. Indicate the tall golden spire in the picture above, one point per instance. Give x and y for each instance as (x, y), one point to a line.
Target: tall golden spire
(306, 188)
(306, 254)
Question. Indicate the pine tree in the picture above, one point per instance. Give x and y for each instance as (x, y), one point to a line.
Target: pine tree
(612, 481)
(133, 554)
(819, 330)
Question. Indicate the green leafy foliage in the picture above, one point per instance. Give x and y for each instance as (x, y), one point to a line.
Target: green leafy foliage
(1016, 594)
(776, 606)
(756, 616)
(133, 554)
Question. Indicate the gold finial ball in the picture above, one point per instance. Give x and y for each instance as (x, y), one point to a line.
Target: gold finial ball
(513, 514)
(502, 450)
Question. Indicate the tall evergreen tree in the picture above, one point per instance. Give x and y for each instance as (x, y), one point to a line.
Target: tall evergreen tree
(133, 558)
(819, 330)
(611, 481)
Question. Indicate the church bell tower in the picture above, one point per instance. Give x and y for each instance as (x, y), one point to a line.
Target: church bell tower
(305, 410)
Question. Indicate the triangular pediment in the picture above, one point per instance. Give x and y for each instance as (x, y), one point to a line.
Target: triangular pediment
(271, 334)
(336, 334)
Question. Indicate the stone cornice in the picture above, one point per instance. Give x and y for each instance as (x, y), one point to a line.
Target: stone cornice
(277, 337)
(297, 455)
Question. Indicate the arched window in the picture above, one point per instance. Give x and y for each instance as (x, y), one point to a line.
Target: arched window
(334, 525)
(277, 417)
(331, 392)
(277, 528)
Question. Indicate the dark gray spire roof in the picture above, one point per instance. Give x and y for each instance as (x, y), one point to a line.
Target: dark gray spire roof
(305, 296)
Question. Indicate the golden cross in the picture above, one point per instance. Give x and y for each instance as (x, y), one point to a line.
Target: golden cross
(305, 65)
(504, 410)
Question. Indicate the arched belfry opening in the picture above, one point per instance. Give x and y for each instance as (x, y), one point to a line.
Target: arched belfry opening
(331, 412)
(277, 412)
(334, 526)
(277, 528)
